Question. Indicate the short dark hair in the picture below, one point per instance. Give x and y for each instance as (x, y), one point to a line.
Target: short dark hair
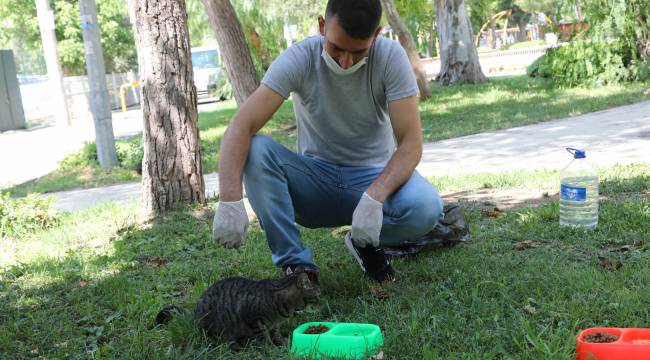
(359, 18)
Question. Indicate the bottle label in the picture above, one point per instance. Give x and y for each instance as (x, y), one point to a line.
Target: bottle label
(573, 193)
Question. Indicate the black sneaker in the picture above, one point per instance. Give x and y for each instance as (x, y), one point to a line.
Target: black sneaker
(312, 273)
(372, 260)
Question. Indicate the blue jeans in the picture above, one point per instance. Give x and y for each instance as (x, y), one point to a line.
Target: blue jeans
(285, 188)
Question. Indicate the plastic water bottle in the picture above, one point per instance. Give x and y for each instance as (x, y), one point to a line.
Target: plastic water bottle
(579, 192)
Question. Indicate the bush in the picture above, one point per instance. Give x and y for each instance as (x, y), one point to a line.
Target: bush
(129, 155)
(87, 156)
(533, 69)
(22, 216)
(223, 90)
(587, 62)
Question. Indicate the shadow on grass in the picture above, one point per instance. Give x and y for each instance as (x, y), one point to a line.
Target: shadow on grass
(104, 301)
(100, 299)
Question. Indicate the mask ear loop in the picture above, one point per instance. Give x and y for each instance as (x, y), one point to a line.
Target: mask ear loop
(371, 58)
(572, 151)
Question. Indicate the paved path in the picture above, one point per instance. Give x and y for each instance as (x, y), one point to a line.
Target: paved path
(35, 152)
(618, 135)
(30, 154)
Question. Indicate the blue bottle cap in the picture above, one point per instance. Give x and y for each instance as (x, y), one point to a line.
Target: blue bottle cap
(577, 154)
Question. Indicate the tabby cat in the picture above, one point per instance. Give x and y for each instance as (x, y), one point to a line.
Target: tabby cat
(242, 310)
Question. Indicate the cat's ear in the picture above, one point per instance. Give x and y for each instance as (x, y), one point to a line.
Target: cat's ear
(303, 280)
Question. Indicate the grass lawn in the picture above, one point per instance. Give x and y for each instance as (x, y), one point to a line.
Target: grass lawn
(92, 286)
(452, 111)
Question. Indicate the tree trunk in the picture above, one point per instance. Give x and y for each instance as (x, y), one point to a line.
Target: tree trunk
(458, 57)
(578, 10)
(235, 52)
(171, 168)
(522, 35)
(261, 51)
(408, 44)
(431, 44)
(492, 37)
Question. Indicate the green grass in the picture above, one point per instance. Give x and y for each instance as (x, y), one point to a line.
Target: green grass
(89, 288)
(452, 111)
(77, 178)
(523, 45)
(619, 179)
(507, 102)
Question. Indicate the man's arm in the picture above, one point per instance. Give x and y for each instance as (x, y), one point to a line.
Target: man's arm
(405, 118)
(249, 119)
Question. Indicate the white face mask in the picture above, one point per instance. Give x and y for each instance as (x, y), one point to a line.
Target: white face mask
(334, 66)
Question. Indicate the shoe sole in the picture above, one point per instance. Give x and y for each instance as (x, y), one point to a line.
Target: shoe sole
(353, 251)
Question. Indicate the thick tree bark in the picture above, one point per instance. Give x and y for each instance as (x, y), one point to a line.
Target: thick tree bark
(408, 44)
(235, 52)
(492, 37)
(578, 10)
(171, 169)
(431, 44)
(522, 35)
(458, 56)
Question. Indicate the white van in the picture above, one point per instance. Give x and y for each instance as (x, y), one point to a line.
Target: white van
(206, 63)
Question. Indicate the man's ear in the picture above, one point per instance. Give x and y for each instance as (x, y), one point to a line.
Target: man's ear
(321, 25)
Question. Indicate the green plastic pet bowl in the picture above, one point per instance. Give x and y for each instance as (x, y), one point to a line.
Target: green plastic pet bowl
(342, 340)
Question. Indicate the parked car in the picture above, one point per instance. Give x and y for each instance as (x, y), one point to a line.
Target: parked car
(206, 63)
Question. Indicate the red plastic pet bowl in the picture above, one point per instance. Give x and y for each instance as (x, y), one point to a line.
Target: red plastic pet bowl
(632, 344)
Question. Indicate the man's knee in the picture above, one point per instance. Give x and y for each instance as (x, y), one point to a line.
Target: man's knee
(422, 208)
(426, 211)
(260, 148)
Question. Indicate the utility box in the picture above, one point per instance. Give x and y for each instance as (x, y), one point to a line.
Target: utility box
(12, 116)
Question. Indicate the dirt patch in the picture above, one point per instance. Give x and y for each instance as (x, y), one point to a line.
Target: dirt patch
(502, 199)
(600, 337)
(317, 329)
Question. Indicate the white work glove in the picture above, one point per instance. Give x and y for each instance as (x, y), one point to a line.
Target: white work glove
(366, 221)
(230, 224)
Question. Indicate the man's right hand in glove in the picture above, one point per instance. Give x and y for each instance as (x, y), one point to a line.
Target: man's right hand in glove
(230, 224)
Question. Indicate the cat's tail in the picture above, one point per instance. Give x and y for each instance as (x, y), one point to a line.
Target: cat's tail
(168, 312)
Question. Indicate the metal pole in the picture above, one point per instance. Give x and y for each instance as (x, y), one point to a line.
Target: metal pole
(54, 74)
(98, 91)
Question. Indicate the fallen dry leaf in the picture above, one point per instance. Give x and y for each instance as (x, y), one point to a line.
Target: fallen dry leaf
(609, 263)
(157, 261)
(333, 264)
(289, 128)
(379, 292)
(494, 212)
(526, 244)
(621, 248)
(530, 309)
(341, 231)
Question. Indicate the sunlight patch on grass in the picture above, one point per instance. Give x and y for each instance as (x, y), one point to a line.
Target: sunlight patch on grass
(452, 111)
(485, 299)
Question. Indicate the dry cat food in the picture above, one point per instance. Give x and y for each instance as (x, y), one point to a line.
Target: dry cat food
(318, 329)
(600, 337)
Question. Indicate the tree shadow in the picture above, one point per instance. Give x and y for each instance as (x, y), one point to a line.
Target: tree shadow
(107, 299)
